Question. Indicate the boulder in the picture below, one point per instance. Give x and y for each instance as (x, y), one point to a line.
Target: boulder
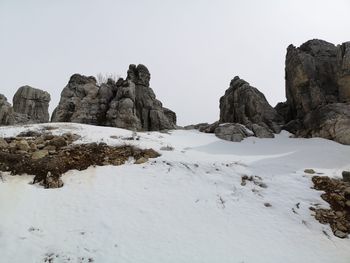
(32, 104)
(3, 143)
(40, 154)
(129, 103)
(6, 112)
(246, 105)
(209, 128)
(232, 132)
(261, 131)
(23, 145)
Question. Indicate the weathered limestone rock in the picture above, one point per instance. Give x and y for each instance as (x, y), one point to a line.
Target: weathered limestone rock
(129, 103)
(79, 101)
(6, 112)
(311, 76)
(122, 110)
(209, 128)
(232, 132)
(170, 115)
(343, 73)
(331, 121)
(33, 103)
(261, 131)
(246, 105)
(318, 91)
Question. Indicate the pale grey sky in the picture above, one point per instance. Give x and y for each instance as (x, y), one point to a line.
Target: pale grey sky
(193, 48)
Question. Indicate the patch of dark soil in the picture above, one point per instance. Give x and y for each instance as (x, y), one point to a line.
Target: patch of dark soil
(337, 194)
(48, 157)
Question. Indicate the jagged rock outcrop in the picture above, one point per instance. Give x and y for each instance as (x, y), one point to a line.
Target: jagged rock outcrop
(246, 105)
(32, 104)
(311, 76)
(318, 90)
(129, 103)
(6, 112)
(244, 112)
(79, 101)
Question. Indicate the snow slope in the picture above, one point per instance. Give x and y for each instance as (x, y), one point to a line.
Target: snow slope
(186, 206)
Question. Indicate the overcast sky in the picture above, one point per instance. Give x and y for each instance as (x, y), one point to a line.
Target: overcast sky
(193, 48)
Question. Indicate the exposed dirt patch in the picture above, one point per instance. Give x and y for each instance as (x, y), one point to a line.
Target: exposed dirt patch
(337, 194)
(47, 156)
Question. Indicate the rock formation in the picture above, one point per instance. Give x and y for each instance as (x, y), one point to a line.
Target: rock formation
(79, 101)
(129, 103)
(246, 105)
(244, 112)
(318, 90)
(30, 105)
(6, 112)
(33, 103)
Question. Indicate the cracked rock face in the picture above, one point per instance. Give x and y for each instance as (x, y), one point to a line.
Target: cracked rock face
(246, 105)
(318, 90)
(32, 103)
(129, 103)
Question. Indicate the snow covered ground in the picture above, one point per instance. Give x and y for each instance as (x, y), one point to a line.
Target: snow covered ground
(186, 206)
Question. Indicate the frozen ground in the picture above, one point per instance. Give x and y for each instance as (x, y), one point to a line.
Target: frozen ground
(186, 206)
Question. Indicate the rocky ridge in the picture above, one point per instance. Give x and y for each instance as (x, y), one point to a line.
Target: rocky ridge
(318, 98)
